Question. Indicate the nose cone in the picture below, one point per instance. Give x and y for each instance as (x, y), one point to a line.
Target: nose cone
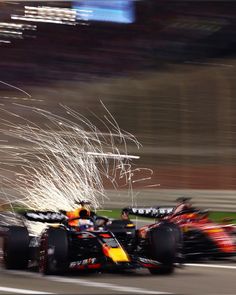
(116, 254)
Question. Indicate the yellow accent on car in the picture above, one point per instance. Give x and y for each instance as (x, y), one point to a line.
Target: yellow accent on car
(55, 225)
(185, 229)
(129, 225)
(214, 230)
(118, 255)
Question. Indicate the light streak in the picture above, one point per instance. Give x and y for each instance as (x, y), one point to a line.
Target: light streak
(10, 32)
(17, 88)
(17, 26)
(5, 41)
(41, 19)
(110, 155)
(47, 14)
(13, 30)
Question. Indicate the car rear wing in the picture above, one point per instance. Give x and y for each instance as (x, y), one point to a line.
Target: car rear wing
(45, 216)
(154, 212)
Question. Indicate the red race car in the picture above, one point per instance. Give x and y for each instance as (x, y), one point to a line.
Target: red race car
(202, 238)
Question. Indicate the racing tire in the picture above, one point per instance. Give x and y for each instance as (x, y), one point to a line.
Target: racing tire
(53, 258)
(163, 246)
(16, 248)
(178, 234)
(179, 239)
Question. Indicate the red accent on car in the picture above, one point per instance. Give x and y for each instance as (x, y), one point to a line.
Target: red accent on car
(105, 235)
(94, 266)
(149, 265)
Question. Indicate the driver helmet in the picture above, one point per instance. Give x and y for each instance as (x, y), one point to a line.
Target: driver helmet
(183, 204)
(84, 213)
(84, 222)
(80, 212)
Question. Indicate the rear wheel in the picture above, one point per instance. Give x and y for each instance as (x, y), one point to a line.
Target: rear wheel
(54, 252)
(163, 242)
(16, 248)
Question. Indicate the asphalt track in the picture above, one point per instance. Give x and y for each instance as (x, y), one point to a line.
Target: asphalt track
(211, 279)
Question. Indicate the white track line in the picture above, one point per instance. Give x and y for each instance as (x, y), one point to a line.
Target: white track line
(22, 291)
(211, 265)
(87, 283)
(109, 286)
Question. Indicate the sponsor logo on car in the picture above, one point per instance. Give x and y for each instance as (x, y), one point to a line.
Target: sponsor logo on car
(76, 264)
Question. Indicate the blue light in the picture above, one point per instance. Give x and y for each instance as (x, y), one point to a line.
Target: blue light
(119, 11)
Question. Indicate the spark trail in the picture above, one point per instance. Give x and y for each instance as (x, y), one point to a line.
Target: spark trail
(68, 159)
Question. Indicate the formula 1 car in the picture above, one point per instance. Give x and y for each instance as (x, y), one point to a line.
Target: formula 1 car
(202, 238)
(111, 244)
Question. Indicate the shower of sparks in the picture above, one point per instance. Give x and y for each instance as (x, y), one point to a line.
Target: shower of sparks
(67, 161)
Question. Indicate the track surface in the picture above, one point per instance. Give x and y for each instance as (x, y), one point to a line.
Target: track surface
(207, 279)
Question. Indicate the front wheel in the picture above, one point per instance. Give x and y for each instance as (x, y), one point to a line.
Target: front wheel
(163, 246)
(16, 248)
(53, 258)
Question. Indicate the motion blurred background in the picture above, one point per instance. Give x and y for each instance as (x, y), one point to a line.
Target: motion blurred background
(164, 69)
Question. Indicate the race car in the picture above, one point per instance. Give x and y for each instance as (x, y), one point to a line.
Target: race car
(202, 238)
(107, 244)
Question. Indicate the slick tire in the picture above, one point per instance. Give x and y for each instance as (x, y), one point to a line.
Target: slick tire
(163, 248)
(53, 258)
(16, 248)
(179, 240)
(176, 231)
